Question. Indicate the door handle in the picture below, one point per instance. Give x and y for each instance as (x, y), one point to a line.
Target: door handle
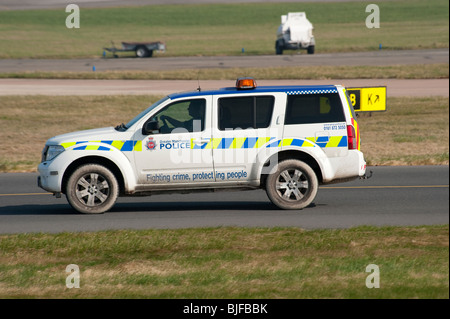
(201, 141)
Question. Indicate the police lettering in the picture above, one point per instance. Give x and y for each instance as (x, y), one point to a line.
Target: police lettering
(174, 145)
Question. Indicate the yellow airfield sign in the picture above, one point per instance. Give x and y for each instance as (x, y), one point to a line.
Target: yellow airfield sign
(368, 99)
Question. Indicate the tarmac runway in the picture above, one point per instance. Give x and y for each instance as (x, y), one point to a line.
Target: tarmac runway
(395, 87)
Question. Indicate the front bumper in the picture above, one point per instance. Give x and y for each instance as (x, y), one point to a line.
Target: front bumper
(49, 179)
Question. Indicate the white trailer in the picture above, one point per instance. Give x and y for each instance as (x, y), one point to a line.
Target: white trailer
(294, 33)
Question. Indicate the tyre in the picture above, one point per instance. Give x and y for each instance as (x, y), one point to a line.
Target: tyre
(293, 185)
(278, 47)
(92, 189)
(310, 49)
(142, 52)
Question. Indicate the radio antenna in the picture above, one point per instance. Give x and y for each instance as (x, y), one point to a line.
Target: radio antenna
(198, 81)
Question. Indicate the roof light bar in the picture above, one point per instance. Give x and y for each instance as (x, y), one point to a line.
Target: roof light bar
(245, 83)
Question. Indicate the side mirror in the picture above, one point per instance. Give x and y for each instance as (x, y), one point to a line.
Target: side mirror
(150, 127)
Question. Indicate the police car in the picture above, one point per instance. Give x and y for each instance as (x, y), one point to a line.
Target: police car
(287, 140)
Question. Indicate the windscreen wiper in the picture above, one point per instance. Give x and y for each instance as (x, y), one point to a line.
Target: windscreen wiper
(121, 127)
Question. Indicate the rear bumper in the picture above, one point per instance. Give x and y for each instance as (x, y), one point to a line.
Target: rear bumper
(343, 169)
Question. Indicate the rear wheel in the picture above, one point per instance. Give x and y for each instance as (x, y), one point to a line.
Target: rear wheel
(279, 47)
(92, 189)
(293, 185)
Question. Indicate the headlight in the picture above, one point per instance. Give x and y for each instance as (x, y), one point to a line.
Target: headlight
(50, 152)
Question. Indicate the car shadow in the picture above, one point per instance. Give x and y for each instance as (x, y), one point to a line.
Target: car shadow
(65, 209)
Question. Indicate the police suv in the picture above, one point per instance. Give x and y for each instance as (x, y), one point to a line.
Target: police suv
(285, 139)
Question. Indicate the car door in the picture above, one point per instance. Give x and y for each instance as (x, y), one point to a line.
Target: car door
(241, 132)
(175, 153)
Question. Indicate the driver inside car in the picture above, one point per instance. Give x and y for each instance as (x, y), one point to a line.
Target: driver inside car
(196, 110)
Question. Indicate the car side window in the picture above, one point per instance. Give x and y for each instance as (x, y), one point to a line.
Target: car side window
(186, 114)
(245, 112)
(314, 108)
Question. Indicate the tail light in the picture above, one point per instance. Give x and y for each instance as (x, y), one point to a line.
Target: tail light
(351, 138)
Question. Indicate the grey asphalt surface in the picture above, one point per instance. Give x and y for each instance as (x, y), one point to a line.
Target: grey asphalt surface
(397, 196)
(395, 87)
(160, 63)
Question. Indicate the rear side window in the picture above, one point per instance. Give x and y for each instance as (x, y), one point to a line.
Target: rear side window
(314, 108)
(245, 112)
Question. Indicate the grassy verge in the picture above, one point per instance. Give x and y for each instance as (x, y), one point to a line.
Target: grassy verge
(229, 263)
(414, 131)
(222, 29)
(420, 71)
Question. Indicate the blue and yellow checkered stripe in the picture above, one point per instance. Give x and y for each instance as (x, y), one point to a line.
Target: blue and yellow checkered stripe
(258, 142)
(322, 141)
(124, 146)
(216, 143)
(233, 143)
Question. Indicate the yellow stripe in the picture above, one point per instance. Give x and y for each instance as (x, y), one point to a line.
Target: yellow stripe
(117, 144)
(69, 144)
(334, 141)
(238, 142)
(92, 147)
(287, 141)
(216, 142)
(138, 146)
(307, 144)
(261, 141)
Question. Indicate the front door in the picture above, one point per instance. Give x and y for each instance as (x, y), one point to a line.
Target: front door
(176, 153)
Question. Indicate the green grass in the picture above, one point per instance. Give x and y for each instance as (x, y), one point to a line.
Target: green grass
(413, 131)
(222, 29)
(420, 71)
(229, 263)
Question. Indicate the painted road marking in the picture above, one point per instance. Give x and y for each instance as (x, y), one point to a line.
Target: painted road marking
(322, 187)
(368, 187)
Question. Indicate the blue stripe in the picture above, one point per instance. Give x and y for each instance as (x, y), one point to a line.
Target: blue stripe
(250, 142)
(225, 142)
(296, 142)
(274, 144)
(322, 139)
(343, 142)
(128, 146)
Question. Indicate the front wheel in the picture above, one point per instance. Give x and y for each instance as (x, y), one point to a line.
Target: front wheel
(293, 185)
(92, 189)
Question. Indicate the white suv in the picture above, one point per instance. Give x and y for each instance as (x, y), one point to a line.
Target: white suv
(286, 140)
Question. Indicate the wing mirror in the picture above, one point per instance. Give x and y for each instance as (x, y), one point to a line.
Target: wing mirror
(150, 127)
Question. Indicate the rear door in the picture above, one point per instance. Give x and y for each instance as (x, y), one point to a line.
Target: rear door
(316, 119)
(243, 126)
